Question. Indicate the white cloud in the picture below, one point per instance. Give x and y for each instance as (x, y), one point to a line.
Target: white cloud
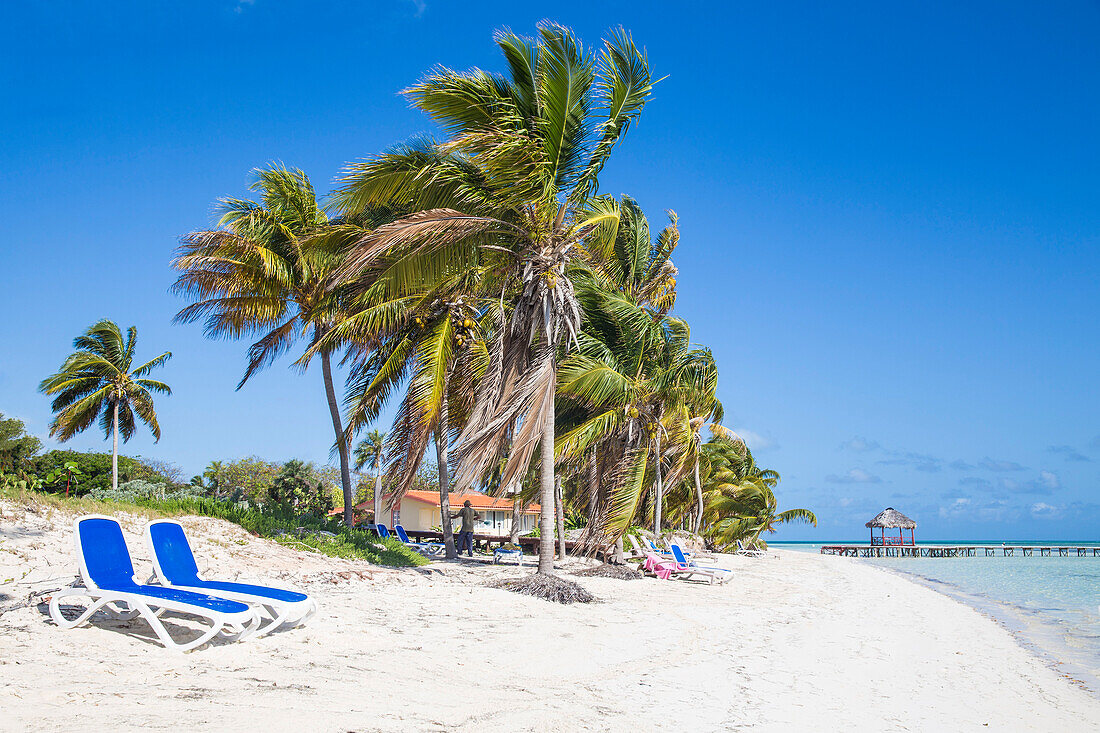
(958, 506)
(991, 465)
(1069, 453)
(854, 476)
(1045, 484)
(420, 5)
(1042, 510)
(860, 445)
(755, 441)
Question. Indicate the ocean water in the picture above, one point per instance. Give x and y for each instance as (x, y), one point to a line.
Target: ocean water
(1051, 604)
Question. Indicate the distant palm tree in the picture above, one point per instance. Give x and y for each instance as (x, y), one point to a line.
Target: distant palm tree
(265, 272)
(626, 389)
(370, 452)
(98, 381)
(750, 512)
(741, 503)
(514, 186)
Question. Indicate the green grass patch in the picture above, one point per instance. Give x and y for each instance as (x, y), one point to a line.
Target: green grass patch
(301, 531)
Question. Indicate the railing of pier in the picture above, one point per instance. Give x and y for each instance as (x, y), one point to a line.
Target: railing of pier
(959, 550)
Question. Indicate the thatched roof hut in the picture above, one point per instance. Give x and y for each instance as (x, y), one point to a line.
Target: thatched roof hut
(891, 518)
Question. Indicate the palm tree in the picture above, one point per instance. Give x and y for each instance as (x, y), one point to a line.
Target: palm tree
(370, 452)
(749, 513)
(430, 342)
(627, 262)
(514, 186)
(98, 380)
(625, 389)
(264, 271)
(741, 503)
(627, 286)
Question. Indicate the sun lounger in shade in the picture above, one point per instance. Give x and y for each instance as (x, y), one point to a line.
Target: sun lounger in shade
(668, 553)
(749, 550)
(428, 548)
(108, 575)
(174, 567)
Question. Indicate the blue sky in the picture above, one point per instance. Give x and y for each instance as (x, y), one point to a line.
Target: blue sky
(889, 214)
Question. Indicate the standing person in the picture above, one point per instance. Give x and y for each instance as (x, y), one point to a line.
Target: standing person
(466, 534)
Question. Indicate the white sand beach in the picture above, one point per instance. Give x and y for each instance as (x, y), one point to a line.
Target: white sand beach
(795, 642)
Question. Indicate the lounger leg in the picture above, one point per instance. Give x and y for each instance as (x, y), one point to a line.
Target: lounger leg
(55, 608)
(277, 620)
(123, 610)
(162, 633)
(240, 632)
(308, 614)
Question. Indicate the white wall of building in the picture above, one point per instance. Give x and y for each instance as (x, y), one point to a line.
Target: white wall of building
(416, 515)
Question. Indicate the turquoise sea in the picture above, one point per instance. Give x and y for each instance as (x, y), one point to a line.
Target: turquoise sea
(1051, 604)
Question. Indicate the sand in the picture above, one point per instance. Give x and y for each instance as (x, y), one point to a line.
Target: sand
(795, 642)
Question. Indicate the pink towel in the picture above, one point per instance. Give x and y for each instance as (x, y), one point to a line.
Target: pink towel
(662, 568)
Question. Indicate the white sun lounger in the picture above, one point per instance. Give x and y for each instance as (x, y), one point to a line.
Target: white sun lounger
(749, 551)
(175, 567)
(108, 575)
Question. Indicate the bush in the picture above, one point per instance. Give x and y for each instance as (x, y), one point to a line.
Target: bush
(248, 478)
(95, 469)
(132, 491)
(16, 446)
(298, 489)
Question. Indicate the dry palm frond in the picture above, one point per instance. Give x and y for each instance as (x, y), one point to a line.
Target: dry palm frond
(619, 572)
(548, 588)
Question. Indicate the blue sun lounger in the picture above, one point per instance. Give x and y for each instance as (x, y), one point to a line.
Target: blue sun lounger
(108, 575)
(431, 548)
(689, 568)
(379, 529)
(174, 567)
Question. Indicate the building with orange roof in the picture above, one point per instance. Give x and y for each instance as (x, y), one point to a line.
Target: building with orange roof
(419, 510)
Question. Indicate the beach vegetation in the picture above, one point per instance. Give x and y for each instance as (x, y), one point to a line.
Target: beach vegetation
(370, 453)
(519, 321)
(297, 490)
(16, 444)
(90, 470)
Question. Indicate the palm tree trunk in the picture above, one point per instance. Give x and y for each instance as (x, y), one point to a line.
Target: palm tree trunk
(114, 450)
(517, 517)
(698, 499)
(546, 519)
(559, 510)
(341, 441)
(444, 479)
(658, 497)
(377, 491)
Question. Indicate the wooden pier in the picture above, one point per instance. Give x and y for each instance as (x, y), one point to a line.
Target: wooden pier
(958, 551)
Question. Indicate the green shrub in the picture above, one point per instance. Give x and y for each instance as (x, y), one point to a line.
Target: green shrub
(16, 446)
(131, 491)
(95, 469)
